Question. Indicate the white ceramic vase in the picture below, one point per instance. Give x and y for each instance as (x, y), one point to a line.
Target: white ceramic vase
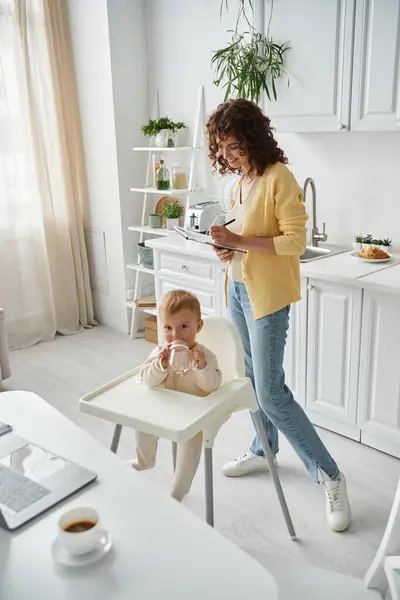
(161, 138)
(171, 223)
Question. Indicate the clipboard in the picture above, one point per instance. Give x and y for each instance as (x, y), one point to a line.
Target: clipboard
(203, 238)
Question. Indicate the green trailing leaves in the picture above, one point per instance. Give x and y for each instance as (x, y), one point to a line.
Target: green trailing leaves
(249, 66)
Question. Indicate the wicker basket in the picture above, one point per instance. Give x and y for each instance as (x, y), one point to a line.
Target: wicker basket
(145, 256)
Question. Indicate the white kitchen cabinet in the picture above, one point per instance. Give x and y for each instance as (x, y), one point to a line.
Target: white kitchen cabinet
(379, 395)
(334, 326)
(296, 348)
(376, 71)
(320, 33)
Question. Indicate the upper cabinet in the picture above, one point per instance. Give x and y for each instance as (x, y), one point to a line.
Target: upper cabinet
(376, 77)
(343, 65)
(320, 34)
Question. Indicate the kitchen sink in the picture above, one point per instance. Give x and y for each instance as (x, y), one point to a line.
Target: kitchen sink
(317, 252)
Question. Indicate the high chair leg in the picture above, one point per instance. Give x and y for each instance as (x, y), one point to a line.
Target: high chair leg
(115, 438)
(208, 473)
(274, 473)
(174, 452)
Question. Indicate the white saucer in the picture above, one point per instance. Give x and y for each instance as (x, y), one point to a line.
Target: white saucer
(371, 260)
(63, 557)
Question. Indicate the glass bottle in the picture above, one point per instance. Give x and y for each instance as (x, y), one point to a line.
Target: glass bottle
(179, 181)
(163, 177)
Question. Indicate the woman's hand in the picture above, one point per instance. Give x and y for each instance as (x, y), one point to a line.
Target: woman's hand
(223, 254)
(222, 235)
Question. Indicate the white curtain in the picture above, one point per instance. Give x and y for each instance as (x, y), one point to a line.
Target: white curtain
(44, 278)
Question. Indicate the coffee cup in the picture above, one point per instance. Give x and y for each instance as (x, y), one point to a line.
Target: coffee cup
(79, 530)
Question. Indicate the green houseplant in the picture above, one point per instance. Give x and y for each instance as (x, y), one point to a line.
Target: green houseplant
(172, 212)
(386, 245)
(251, 63)
(163, 130)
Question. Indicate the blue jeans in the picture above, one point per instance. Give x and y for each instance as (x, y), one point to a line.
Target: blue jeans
(264, 343)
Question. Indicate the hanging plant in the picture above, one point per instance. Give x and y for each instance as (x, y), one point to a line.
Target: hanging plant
(251, 63)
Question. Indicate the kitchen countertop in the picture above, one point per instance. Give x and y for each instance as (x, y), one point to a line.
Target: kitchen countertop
(387, 280)
(340, 268)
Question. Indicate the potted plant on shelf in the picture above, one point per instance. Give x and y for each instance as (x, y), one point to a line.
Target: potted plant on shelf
(386, 245)
(358, 242)
(172, 212)
(163, 131)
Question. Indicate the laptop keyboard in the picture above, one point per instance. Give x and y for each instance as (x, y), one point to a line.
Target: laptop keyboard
(17, 491)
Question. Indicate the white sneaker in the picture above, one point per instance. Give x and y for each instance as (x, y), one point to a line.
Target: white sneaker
(243, 465)
(338, 511)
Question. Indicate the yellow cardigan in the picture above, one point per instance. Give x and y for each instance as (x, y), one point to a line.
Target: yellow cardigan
(276, 211)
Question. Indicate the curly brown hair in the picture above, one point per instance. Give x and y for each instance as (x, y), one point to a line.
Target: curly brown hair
(244, 121)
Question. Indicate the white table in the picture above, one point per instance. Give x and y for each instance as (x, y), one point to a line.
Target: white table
(160, 550)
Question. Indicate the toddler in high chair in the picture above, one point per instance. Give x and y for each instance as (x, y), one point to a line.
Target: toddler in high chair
(194, 371)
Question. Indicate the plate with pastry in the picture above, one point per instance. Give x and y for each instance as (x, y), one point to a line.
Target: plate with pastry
(372, 254)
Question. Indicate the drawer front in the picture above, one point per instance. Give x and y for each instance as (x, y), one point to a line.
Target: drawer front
(188, 267)
(210, 300)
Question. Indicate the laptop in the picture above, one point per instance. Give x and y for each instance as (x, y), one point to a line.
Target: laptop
(33, 479)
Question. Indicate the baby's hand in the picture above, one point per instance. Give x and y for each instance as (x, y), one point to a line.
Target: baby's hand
(163, 356)
(199, 358)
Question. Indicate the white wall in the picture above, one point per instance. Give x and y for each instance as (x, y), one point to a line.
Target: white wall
(357, 175)
(108, 41)
(127, 32)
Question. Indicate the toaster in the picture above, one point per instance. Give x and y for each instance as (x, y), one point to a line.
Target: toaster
(199, 217)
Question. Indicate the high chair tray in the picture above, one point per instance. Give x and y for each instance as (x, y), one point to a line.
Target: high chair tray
(158, 411)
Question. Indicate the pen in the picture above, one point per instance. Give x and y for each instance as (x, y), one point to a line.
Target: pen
(229, 222)
(224, 225)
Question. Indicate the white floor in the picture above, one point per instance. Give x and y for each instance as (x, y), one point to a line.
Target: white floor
(246, 509)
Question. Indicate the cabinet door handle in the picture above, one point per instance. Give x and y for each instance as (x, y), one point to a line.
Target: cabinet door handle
(223, 270)
(341, 127)
(184, 267)
(310, 287)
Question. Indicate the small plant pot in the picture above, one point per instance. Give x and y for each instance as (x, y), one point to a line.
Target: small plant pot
(387, 249)
(171, 223)
(154, 221)
(357, 246)
(161, 138)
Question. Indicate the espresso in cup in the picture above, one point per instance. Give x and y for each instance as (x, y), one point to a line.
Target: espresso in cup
(79, 530)
(79, 525)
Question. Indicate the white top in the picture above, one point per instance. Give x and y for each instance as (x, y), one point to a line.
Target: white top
(197, 382)
(160, 550)
(238, 212)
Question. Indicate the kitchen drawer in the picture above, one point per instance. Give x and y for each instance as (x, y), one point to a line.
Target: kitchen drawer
(198, 270)
(210, 299)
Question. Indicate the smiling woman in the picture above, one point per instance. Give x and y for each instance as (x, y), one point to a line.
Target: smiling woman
(270, 225)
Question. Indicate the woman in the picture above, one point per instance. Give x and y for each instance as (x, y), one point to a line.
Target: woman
(270, 226)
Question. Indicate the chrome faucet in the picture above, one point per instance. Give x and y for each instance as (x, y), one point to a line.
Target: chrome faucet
(316, 236)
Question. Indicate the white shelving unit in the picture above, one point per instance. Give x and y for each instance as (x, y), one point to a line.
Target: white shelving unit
(148, 191)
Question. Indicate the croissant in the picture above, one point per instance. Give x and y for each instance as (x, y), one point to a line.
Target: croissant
(373, 253)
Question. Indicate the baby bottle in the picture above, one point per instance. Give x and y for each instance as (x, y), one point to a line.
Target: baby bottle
(180, 359)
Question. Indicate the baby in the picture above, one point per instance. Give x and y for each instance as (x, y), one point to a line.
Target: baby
(180, 321)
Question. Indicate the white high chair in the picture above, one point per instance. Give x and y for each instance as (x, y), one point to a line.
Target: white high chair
(179, 417)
